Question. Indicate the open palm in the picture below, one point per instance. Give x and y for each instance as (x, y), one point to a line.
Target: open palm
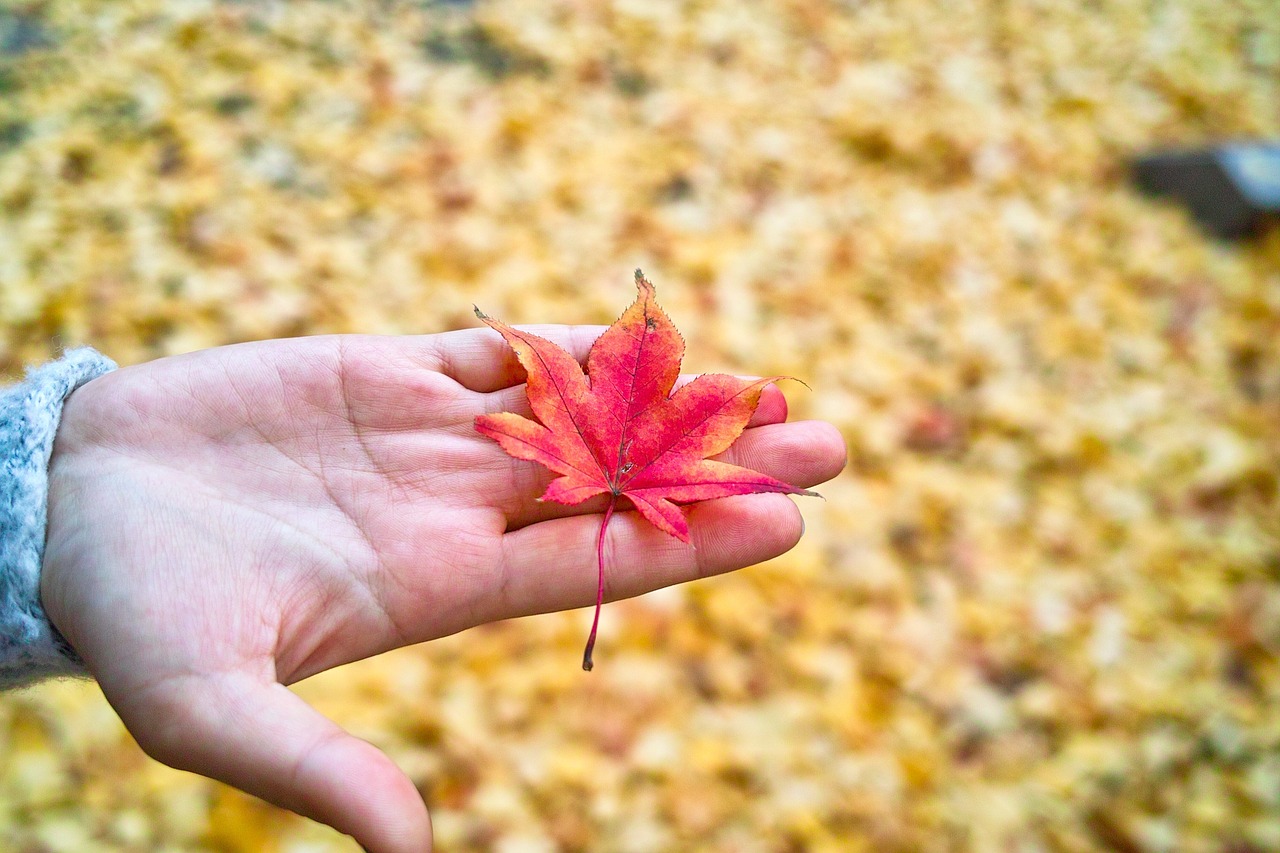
(225, 523)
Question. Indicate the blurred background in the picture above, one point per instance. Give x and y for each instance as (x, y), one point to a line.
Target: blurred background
(1041, 609)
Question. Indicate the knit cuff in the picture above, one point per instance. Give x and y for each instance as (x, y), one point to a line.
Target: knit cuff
(30, 647)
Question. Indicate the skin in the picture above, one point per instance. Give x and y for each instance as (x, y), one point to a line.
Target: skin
(226, 523)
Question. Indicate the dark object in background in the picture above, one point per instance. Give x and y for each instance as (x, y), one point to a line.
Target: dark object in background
(22, 32)
(1232, 190)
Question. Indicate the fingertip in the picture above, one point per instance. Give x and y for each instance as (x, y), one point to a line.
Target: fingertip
(355, 787)
(732, 533)
(830, 449)
(772, 408)
(801, 453)
(264, 739)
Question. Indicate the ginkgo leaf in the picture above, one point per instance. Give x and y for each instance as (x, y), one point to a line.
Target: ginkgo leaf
(618, 430)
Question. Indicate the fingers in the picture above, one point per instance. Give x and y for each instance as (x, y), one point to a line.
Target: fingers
(263, 739)
(804, 454)
(552, 565)
(480, 360)
(401, 383)
(771, 409)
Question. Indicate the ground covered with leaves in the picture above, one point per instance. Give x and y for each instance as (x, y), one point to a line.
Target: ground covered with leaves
(1040, 612)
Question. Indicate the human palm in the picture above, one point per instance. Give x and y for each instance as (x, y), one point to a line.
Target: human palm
(225, 523)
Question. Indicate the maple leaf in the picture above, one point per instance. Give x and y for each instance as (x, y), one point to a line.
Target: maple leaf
(618, 430)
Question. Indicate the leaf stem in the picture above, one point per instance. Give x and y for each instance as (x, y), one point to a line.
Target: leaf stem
(595, 623)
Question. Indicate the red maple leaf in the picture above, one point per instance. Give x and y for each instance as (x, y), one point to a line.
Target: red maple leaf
(618, 430)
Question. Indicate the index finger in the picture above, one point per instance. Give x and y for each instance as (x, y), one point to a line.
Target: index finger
(480, 360)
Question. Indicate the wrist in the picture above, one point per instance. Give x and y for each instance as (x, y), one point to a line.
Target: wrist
(30, 413)
(61, 553)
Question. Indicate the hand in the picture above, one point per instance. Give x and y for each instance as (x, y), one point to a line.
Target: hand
(225, 523)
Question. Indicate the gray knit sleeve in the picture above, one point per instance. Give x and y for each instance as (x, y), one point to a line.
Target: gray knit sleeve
(30, 647)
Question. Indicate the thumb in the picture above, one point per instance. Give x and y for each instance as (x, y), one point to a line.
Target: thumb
(263, 739)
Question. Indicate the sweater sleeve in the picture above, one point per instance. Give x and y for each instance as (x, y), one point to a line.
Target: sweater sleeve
(30, 647)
